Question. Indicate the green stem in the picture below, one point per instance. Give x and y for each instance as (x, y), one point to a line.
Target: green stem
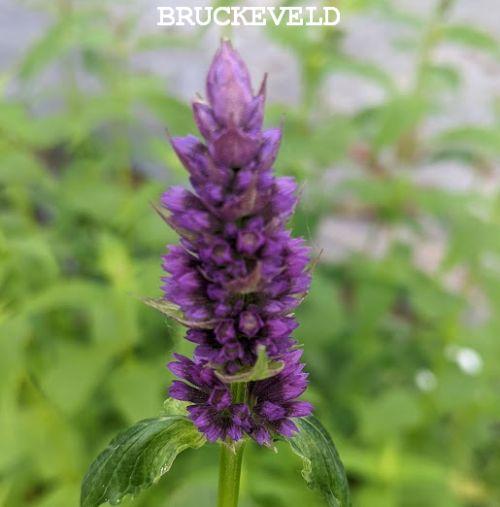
(231, 458)
(430, 39)
(229, 475)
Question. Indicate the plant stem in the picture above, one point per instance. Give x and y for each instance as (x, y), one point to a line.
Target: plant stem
(231, 458)
(229, 475)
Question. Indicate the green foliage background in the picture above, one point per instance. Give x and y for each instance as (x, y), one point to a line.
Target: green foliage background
(81, 357)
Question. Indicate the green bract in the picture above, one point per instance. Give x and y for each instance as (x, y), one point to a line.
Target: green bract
(262, 369)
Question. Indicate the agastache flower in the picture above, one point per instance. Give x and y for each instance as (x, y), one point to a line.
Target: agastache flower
(237, 274)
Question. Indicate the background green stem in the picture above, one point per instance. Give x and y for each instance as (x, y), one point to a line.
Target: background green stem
(229, 475)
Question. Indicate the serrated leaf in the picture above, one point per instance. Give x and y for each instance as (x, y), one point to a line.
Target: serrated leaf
(262, 369)
(173, 311)
(137, 458)
(323, 469)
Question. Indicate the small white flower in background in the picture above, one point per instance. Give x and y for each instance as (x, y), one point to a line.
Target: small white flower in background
(425, 380)
(467, 359)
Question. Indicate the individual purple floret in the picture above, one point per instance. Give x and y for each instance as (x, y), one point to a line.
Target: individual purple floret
(237, 274)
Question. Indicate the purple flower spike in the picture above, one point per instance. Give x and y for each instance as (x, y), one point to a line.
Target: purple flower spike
(237, 274)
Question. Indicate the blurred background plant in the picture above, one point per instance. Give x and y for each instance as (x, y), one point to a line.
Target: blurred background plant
(393, 126)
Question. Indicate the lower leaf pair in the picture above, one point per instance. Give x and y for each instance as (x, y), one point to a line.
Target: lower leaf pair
(139, 456)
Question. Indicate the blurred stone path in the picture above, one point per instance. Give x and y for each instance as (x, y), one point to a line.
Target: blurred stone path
(369, 37)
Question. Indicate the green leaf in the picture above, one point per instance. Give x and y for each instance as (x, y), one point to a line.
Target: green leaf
(137, 458)
(68, 393)
(137, 389)
(173, 311)
(323, 470)
(262, 369)
(397, 117)
(54, 42)
(438, 77)
(394, 412)
(472, 37)
(482, 140)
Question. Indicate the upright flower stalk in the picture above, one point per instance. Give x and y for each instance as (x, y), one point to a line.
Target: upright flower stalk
(234, 280)
(237, 274)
